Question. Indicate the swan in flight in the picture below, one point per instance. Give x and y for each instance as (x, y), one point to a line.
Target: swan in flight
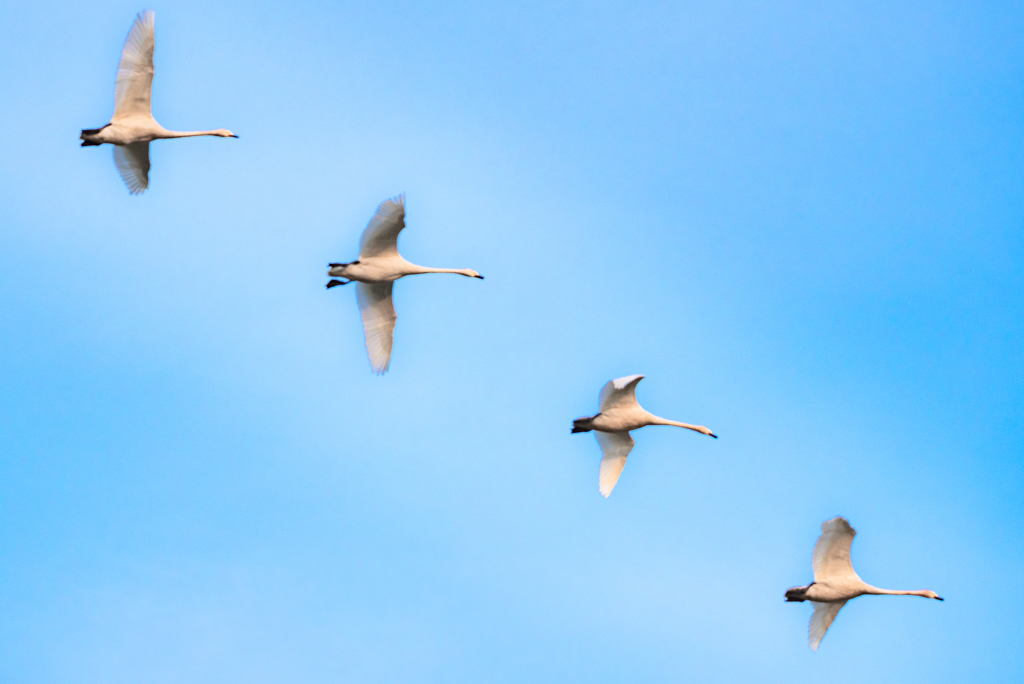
(133, 127)
(375, 271)
(835, 582)
(621, 412)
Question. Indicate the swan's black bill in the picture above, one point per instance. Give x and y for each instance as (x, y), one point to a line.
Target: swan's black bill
(336, 283)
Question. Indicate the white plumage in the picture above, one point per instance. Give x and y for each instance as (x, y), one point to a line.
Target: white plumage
(619, 413)
(379, 265)
(378, 311)
(835, 581)
(133, 127)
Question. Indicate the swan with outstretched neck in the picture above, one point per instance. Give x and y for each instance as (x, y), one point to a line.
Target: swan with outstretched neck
(133, 127)
(375, 271)
(835, 581)
(619, 413)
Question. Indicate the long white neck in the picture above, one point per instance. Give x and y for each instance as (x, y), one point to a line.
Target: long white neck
(189, 134)
(896, 592)
(657, 420)
(417, 270)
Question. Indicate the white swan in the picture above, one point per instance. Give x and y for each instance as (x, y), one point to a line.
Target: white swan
(133, 127)
(620, 413)
(835, 582)
(378, 267)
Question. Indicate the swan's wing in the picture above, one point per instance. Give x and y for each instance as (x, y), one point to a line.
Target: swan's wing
(831, 558)
(821, 620)
(132, 163)
(135, 73)
(381, 234)
(616, 447)
(618, 392)
(378, 310)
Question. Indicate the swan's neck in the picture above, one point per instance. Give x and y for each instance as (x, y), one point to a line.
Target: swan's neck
(188, 134)
(418, 270)
(896, 592)
(657, 420)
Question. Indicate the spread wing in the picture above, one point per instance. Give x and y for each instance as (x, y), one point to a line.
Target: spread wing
(378, 310)
(135, 73)
(616, 447)
(132, 163)
(831, 559)
(619, 392)
(821, 620)
(381, 234)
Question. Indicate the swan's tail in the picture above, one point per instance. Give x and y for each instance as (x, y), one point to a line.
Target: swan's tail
(797, 593)
(582, 425)
(88, 135)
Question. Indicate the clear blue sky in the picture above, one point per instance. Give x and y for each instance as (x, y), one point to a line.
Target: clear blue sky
(801, 220)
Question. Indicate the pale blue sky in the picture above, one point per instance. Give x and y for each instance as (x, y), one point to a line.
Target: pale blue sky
(802, 221)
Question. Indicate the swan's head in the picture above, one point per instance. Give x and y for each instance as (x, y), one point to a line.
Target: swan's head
(473, 274)
(224, 133)
(932, 595)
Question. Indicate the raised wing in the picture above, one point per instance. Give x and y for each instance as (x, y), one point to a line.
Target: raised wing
(831, 559)
(616, 447)
(821, 620)
(381, 234)
(619, 392)
(378, 310)
(132, 162)
(135, 73)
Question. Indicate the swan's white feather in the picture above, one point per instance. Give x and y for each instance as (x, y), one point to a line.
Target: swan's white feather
(132, 162)
(616, 447)
(381, 234)
(831, 559)
(378, 311)
(619, 392)
(135, 72)
(821, 620)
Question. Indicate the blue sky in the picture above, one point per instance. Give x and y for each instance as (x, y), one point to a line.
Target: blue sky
(801, 221)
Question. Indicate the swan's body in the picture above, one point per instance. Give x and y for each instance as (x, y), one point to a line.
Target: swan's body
(621, 412)
(379, 265)
(133, 127)
(835, 581)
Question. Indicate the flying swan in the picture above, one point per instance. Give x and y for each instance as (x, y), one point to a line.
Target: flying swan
(620, 413)
(375, 271)
(133, 127)
(835, 582)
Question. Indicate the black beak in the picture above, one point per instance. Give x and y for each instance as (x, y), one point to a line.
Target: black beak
(336, 283)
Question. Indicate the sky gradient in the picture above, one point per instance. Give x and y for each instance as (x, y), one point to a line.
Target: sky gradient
(802, 221)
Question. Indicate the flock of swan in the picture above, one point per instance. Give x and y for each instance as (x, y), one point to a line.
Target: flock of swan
(375, 271)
